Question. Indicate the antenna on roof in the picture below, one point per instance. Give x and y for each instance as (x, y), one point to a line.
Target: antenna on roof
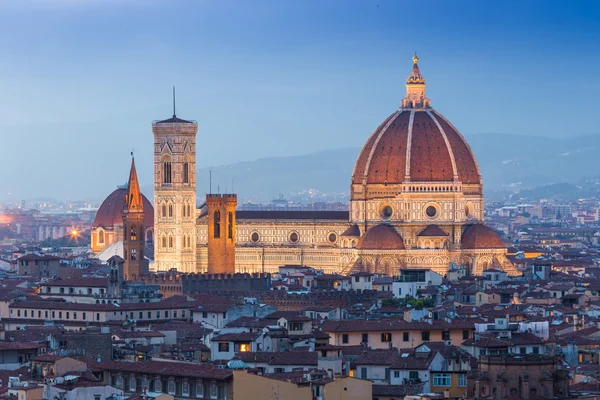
(173, 101)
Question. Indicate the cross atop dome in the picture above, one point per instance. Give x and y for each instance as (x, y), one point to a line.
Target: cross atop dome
(415, 88)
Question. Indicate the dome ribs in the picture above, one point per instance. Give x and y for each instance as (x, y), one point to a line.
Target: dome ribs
(430, 158)
(363, 156)
(386, 157)
(466, 166)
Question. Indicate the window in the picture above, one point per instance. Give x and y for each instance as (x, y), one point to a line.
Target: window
(67, 315)
(101, 236)
(363, 373)
(186, 173)
(39, 314)
(386, 337)
(164, 241)
(462, 380)
(523, 350)
(53, 314)
(170, 241)
(217, 224)
(46, 314)
(405, 336)
(170, 210)
(97, 316)
(230, 225)
(441, 380)
(536, 350)
(425, 335)
(279, 370)
(223, 347)
(140, 315)
(149, 314)
(344, 338)
(133, 234)
(60, 315)
(244, 347)
(204, 314)
(365, 338)
(133, 254)
(396, 374)
(465, 334)
(164, 210)
(167, 177)
(84, 316)
(445, 335)
(413, 375)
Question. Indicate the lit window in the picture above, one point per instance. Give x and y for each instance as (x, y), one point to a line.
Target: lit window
(244, 347)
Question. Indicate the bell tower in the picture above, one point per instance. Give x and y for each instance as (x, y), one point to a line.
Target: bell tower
(221, 233)
(175, 193)
(135, 263)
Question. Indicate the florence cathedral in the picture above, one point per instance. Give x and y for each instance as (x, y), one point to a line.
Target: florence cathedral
(416, 201)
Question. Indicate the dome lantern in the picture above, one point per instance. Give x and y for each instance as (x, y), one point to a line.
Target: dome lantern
(415, 88)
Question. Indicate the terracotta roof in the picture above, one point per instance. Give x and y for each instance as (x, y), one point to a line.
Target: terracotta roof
(381, 237)
(352, 231)
(110, 212)
(479, 236)
(432, 230)
(383, 159)
(201, 371)
(235, 337)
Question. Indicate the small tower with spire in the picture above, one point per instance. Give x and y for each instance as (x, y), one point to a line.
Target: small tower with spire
(415, 88)
(135, 264)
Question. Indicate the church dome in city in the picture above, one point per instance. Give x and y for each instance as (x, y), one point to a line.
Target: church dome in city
(381, 237)
(479, 236)
(110, 212)
(416, 144)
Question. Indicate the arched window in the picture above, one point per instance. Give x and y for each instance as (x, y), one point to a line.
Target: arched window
(186, 173)
(167, 177)
(101, 236)
(189, 207)
(217, 224)
(170, 210)
(170, 241)
(164, 241)
(230, 225)
(133, 235)
(184, 211)
(133, 254)
(164, 210)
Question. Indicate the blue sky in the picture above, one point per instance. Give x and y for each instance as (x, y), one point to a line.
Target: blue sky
(81, 80)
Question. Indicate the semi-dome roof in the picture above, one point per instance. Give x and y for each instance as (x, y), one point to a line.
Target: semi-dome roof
(479, 236)
(110, 212)
(415, 144)
(381, 237)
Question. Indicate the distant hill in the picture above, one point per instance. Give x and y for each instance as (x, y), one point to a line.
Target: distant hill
(507, 162)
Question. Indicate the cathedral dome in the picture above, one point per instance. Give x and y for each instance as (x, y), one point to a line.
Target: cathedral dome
(416, 144)
(479, 236)
(110, 212)
(381, 237)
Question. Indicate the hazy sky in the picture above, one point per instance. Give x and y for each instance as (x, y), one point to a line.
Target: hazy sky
(81, 80)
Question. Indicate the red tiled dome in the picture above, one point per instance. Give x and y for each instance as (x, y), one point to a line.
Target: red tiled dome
(478, 236)
(381, 237)
(110, 212)
(421, 152)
